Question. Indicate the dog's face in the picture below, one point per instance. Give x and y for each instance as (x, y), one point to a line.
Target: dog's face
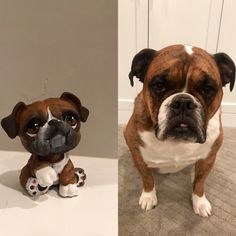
(47, 127)
(182, 89)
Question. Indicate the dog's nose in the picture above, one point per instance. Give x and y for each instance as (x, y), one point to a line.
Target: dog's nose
(183, 104)
(54, 122)
(57, 126)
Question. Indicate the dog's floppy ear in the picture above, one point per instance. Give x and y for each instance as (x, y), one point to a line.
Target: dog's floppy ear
(140, 64)
(83, 111)
(9, 123)
(226, 68)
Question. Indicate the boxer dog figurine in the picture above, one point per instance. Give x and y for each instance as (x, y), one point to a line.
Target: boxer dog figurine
(48, 130)
(176, 120)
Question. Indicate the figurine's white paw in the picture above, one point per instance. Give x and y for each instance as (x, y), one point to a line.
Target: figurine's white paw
(46, 176)
(33, 188)
(201, 205)
(69, 190)
(148, 200)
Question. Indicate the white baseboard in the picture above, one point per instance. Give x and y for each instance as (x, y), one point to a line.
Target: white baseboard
(125, 108)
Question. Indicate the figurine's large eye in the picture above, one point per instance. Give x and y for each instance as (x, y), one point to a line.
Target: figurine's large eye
(33, 127)
(71, 119)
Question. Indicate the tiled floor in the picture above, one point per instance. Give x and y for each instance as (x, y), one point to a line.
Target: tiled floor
(174, 214)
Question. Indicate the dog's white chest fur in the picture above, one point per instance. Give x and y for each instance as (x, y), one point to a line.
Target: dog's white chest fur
(59, 166)
(171, 156)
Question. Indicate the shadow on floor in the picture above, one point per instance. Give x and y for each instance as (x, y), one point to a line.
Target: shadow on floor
(18, 197)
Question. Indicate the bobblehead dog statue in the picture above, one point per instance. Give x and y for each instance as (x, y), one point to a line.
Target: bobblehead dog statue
(176, 120)
(48, 130)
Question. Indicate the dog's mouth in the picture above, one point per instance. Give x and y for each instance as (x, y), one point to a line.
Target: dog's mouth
(182, 131)
(185, 130)
(182, 126)
(58, 141)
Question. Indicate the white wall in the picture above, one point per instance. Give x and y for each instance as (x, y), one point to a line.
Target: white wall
(204, 23)
(227, 39)
(184, 22)
(132, 37)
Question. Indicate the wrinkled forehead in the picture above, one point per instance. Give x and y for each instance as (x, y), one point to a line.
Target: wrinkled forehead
(41, 109)
(183, 60)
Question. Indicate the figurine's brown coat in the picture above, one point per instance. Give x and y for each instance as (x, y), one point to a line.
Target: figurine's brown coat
(16, 125)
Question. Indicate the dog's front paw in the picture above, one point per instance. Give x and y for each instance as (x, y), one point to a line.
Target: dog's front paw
(81, 176)
(46, 176)
(148, 200)
(201, 205)
(33, 188)
(69, 190)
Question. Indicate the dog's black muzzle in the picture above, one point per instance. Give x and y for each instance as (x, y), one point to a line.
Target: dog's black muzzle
(57, 137)
(185, 120)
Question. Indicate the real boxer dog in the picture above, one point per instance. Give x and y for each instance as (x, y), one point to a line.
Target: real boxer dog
(176, 119)
(49, 129)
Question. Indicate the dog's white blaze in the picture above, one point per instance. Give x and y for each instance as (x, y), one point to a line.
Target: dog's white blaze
(50, 115)
(45, 126)
(170, 156)
(188, 49)
(163, 112)
(185, 90)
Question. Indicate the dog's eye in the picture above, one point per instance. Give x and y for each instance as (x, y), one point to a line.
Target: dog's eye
(207, 87)
(160, 83)
(159, 87)
(33, 127)
(208, 90)
(71, 120)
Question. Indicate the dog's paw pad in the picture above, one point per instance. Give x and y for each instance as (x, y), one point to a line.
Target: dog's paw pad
(148, 200)
(201, 205)
(81, 176)
(33, 188)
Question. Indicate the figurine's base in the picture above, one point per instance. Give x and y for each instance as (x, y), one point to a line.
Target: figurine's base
(50, 214)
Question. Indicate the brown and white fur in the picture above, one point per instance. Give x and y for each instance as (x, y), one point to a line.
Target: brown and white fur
(48, 130)
(176, 120)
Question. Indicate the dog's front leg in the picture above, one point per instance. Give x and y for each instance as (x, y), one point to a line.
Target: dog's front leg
(148, 198)
(70, 179)
(201, 205)
(46, 176)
